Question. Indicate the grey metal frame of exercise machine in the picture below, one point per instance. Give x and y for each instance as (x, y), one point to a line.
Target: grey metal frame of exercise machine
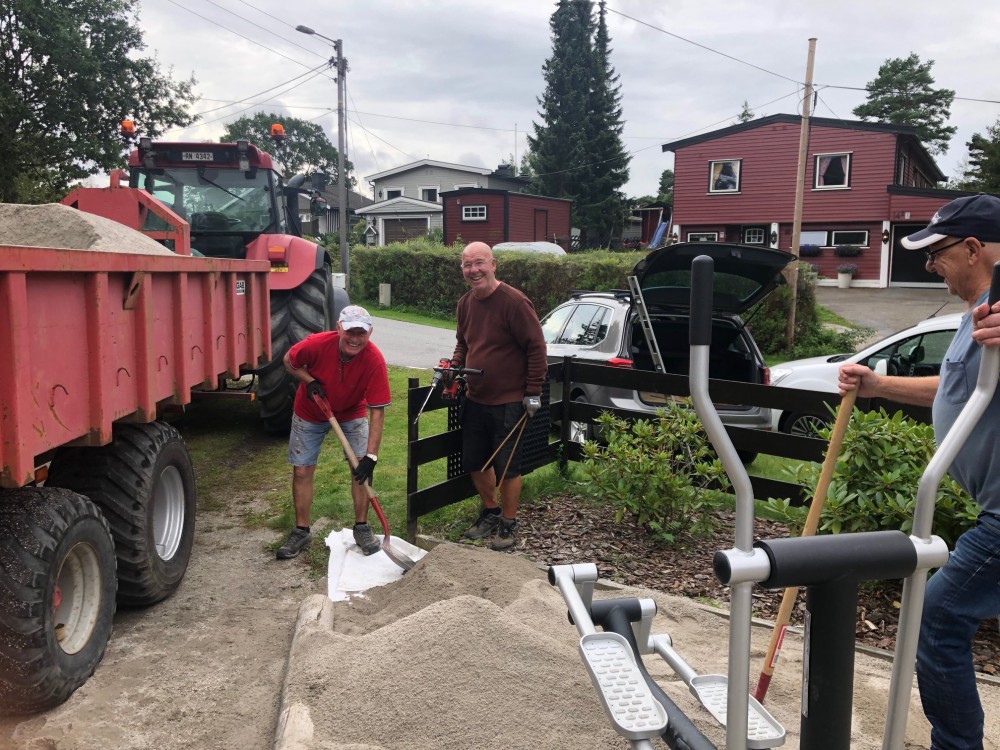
(830, 567)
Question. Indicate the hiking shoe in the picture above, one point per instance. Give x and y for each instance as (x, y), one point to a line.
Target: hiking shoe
(485, 525)
(506, 536)
(365, 539)
(298, 540)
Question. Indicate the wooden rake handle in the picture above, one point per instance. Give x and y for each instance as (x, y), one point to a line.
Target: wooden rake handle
(809, 529)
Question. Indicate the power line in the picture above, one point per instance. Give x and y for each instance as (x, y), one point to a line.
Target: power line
(702, 46)
(259, 93)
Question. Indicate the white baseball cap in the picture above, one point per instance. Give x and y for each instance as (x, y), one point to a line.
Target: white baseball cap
(355, 316)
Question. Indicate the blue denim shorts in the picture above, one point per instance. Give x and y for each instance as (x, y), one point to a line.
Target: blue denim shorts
(306, 439)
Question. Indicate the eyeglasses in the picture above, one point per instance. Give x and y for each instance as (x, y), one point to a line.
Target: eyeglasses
(475, 264)
(931, 253)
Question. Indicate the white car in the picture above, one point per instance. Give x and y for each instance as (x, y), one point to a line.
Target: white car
(915, 351)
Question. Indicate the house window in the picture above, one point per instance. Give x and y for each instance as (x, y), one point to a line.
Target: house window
(473, 213)
(703, 236)
(852, 237)
(429, 194)
(393, 193)
(753, 236)
(724, 176)
(832, 171)
(903, 164)
(463, 187)
(813, 238)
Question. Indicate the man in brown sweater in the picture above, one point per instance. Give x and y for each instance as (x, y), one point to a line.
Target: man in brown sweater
(499, 333)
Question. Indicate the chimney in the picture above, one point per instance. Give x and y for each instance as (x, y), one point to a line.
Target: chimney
(505, 170)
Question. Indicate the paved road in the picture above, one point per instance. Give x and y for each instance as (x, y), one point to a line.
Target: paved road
(885, 310)
(888, 310)
(411, 344)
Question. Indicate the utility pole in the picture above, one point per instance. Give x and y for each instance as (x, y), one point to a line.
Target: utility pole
(345, 251)
(800, 182)
(340, 64)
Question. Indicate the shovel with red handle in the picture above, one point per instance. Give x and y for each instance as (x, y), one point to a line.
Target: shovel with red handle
(393, 554)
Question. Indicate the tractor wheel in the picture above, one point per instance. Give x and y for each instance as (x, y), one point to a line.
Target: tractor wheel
(295, 314)
(143, 481)
(57, 595)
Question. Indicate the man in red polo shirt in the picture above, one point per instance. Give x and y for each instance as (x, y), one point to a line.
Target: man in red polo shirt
(349, 371)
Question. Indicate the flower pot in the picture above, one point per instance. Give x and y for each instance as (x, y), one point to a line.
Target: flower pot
(844, 280)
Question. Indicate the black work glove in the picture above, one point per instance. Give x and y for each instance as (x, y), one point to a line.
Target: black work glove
(364, 470)
(314, 389)
(531, 405)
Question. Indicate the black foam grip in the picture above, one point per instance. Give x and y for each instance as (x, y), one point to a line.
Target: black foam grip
(995, 284)
(702, 269)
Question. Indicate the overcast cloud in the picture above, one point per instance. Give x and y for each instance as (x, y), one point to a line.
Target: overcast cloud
(458, 80)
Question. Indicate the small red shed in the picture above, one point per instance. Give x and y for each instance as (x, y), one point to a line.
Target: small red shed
(495, 216)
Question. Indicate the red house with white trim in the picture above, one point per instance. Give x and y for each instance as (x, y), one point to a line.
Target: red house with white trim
(495, 216)
(866, 185)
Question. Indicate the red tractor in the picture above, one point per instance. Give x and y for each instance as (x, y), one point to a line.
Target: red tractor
(233, 198)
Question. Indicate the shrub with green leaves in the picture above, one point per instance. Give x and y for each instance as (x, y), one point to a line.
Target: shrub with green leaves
(874, 486)
(659, 471)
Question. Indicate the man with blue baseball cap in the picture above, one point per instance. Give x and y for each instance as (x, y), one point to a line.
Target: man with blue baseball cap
(961, 244)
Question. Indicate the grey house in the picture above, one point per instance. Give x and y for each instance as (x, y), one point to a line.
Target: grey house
(408, 198)
(322, 215)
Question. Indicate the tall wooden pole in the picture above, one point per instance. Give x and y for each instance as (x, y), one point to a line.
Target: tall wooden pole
(800, 182)
(345, 254)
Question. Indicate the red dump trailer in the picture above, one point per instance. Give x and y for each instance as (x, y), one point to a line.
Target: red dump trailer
(93, 346)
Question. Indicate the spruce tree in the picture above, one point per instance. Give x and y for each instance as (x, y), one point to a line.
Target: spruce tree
(577, 152)
(605, 205)
(983, 167)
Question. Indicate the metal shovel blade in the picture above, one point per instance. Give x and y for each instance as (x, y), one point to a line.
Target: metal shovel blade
(393, 554)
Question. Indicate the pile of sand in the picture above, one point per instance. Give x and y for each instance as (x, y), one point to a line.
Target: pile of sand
(472, 649)
(59, 226)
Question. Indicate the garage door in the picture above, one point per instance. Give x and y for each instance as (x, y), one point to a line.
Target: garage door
(401, 230)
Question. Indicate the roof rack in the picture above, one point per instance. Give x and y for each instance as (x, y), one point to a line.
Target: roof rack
(621, 294)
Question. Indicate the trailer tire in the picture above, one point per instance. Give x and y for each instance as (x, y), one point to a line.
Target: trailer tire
(57, 595)
(295, 314)
(143, 481)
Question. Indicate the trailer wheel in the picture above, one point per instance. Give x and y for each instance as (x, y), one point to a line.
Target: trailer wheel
(295, 314)
(144, 482)
(57, 595)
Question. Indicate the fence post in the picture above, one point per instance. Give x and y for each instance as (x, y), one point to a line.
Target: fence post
(412, 435)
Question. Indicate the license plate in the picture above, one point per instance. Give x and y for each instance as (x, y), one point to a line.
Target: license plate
(197, 156)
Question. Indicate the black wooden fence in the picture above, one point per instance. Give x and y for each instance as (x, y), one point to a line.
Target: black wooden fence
(540, 447)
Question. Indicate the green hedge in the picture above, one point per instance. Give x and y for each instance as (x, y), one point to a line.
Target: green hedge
(425, 276)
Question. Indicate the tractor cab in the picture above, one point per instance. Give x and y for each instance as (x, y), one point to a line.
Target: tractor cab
(229, 193)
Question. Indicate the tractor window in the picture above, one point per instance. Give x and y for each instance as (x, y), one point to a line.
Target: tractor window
(215, 200)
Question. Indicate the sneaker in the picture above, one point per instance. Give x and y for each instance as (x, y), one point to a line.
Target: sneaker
(506, 536)
(485, 525)
(298, 540)
(365, 539)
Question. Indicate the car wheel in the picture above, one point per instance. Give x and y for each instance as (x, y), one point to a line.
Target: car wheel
(805, 425)
(580, 432)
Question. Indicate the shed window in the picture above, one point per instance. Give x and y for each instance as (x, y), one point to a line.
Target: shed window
(473, 213)
(832, 171)
(753, 236)
(813, 238)
(703, 236)
(852, 237)
(724, 176)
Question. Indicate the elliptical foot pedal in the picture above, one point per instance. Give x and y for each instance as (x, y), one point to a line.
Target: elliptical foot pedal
(634, 712)
(763, 730)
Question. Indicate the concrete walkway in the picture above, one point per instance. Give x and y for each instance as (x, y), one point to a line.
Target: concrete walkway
(888, 310)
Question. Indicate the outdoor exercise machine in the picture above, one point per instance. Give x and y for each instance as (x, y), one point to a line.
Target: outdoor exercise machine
(830, 567)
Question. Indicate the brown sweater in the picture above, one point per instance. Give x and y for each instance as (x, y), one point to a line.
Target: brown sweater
(501, 336)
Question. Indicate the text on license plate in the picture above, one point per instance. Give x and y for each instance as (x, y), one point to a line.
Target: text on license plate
(196, 156)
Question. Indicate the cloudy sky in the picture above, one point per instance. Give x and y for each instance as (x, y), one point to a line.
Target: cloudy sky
(458, 80)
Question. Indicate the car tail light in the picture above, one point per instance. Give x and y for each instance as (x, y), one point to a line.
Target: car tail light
(620, 362)
(767, 376)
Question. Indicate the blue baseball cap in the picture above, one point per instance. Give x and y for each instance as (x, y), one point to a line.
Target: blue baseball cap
(969, 216)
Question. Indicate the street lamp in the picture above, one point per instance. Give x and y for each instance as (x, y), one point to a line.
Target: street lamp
(341, 65)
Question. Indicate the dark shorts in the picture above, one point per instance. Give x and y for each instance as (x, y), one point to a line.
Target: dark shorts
(483, 429)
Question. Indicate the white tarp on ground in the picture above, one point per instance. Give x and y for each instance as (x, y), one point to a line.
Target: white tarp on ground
(351, 573)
